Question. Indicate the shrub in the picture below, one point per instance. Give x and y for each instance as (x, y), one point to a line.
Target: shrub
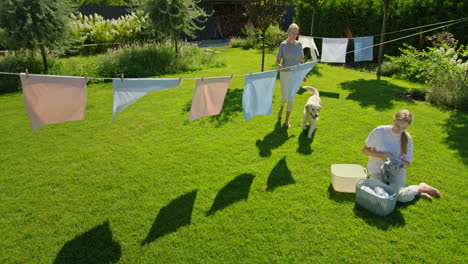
(448, 80)
(388, 68)
(273, 37)
(154, 59)
(11, 63)
(411, 64)
(251, 40)
(443, 69)
(442, 38)
(19, 63)
(243, 43)
(94, 29)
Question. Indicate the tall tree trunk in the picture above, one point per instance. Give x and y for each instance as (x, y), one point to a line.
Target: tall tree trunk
(312, 22)
(263, 48)
(382, 37)
(421, 40)
(176, 46)
(44, 59)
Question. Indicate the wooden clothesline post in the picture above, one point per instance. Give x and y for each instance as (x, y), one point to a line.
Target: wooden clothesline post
(382, 37)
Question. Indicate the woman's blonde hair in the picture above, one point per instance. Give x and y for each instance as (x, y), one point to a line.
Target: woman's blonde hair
(405, 116)
(293, 25)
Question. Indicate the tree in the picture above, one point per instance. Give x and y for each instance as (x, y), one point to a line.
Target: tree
(35, 24)
(176, 17)
(107, 2)
(263, 13)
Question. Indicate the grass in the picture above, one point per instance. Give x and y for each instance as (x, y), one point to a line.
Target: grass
(155, 188)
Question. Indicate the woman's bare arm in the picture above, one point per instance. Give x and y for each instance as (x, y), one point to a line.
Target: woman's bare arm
(371, 152)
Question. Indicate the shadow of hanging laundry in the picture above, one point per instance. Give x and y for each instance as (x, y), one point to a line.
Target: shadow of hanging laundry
(232, 107)
(273, 140)
(236, 190)
(279, 176)
(171, 217)
(95, 246)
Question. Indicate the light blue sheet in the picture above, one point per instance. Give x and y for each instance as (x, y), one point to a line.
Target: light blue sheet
(258, 93)
(128, 91)
(361, 52)
(299, 72)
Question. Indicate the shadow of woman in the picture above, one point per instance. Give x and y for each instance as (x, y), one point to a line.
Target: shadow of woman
(94, 246)
(171, 217)
(235, 191)
(273, 140)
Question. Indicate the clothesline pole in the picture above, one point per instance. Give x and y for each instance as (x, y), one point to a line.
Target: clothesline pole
(382, 37)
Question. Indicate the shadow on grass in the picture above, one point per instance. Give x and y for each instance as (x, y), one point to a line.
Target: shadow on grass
(329, 94)
(95, 246)
(273, 140)
(231, 106)
(379, 94)
(279, 176)
(395, 219)
(171, 217)
(340, 197)
(236, 190)
(457, 131)
(305, 142)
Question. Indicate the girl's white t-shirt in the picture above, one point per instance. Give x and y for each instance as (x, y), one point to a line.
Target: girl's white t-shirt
(382, 139)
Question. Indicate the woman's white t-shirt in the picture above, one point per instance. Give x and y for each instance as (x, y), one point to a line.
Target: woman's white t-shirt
(382, 139)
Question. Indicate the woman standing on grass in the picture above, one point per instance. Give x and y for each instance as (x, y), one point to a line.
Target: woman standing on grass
(290, 53)
(392, 141)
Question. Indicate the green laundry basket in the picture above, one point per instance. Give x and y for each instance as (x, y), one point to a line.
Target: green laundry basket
(375, 204)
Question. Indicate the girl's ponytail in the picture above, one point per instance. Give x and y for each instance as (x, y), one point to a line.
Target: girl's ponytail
(404, 115)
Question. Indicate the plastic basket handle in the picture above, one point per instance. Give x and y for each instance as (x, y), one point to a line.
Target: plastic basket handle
(361, 181)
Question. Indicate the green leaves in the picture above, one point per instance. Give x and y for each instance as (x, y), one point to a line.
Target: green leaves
(176, 17)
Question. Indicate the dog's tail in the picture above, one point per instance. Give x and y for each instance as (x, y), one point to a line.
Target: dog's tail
(311, 89)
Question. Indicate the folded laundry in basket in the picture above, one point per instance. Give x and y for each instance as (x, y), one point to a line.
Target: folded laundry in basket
(377, 191)
(369, 190)
(381, 192)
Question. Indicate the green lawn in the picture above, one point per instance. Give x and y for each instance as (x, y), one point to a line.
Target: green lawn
(155, 188)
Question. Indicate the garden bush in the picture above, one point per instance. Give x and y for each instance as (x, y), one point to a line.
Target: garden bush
(253, 38)
(443, 69)
(274, 36)
(94, 29)
(16, 63)
(152, 59)
(447, 80)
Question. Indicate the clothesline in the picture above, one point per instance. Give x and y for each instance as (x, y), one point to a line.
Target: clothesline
(405, 37)
(65, 97)
(423, 26)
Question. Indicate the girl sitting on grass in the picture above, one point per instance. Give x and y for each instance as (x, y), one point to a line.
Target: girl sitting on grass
(392, 141)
